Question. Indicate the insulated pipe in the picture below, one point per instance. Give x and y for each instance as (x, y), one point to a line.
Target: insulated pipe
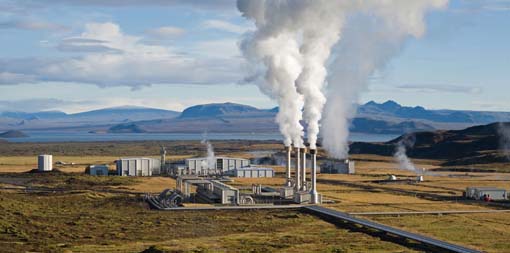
(298, 171)
(313, 192)
(303, 170)
(289, 178)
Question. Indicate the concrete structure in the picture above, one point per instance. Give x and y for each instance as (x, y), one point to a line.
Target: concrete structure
(253, 172)
(45, 163)
(138, 166)
(288, 183)
(226, 193)
(338, 167)
(478, 193)
(303, 170)
(98, 170)
(222, 165)
(315, 198)
(162, 152)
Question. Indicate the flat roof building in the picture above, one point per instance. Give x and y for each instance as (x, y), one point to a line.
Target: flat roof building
(478, 193)
(98, 170)
(253, 172)
(220, 165)
(138, 166)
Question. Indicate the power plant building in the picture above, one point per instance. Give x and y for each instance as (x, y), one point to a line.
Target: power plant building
(338, 167)
(138, 166)
(479, 193)
(253, 172)
(98, 170)
(45, 163)
(220, 165)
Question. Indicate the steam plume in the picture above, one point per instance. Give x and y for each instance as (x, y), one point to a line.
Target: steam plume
(211, 159)
(295, 41)
(504, 138)
(401, 157)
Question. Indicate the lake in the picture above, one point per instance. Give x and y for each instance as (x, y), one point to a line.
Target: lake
(50, 136)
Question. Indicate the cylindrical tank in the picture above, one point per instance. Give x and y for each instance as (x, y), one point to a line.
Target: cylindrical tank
(45, 163)
(392, 177)
(419, 178)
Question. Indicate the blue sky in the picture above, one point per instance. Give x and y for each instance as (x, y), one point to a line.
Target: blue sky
(87, 54)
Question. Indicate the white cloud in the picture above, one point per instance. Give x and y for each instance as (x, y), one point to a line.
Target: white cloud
(33, 25)
(165, 32)
(15, 78)
(224, 26)
(440, 88)
(112, 58)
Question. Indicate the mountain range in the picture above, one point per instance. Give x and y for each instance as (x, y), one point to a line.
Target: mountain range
(380, 118)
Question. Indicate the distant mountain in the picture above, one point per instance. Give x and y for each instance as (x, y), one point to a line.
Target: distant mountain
(130, 113)
(13, 134)
(101, 117)
(222, 110)
(391, 109)
(473, 145)
(379, 118)
(35, 115)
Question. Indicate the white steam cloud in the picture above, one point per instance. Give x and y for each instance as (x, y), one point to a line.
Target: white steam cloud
(211, 158)
(504, 138)
(305, 45)
(401, 157)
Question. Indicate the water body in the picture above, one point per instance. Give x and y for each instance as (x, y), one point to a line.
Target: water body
(47, 136)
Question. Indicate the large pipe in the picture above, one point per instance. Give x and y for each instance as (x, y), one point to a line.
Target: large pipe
(303, 170)
(313, 192)
(289, 177)
(298, 171)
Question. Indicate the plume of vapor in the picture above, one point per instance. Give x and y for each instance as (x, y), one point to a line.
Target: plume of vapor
(504, 138)
(401, 157)
(211, 158)
(297, 40)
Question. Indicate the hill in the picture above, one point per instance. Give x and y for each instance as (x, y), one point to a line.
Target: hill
(13, 134)
(222, 110)
(478, 144)
(126, 128)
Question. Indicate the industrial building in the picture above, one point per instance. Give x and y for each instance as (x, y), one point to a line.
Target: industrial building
(220, 165)
(478, 193)
(138, 166)
(207, 190)
(338, 167)
(98, 170)
(44, 163)
(253, 172)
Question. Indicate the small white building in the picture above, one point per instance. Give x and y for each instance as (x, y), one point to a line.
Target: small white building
(253, 172)
(200, 165)
(98, 170)
(138, 166)
(45, 163)
(478, 193)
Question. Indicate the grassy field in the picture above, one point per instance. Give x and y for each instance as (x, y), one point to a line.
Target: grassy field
(80, 220)
(105, 214)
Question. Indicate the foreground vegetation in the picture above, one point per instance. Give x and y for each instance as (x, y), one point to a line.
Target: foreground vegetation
(80, 220)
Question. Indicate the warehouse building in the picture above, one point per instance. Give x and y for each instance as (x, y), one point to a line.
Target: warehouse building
(338, 167)
(44, 163)
(253, 172)
(479, 193)
(98, 170)
(138, 166)
(221, 165)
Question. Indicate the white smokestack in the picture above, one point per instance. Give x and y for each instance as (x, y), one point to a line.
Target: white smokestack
(294, 40)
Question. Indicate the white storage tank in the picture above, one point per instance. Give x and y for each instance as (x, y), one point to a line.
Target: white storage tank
(45, 163)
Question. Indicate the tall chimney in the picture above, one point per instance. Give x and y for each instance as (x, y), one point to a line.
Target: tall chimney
(313, 192)
(289, 178)
(303, 170)
(298, 171)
